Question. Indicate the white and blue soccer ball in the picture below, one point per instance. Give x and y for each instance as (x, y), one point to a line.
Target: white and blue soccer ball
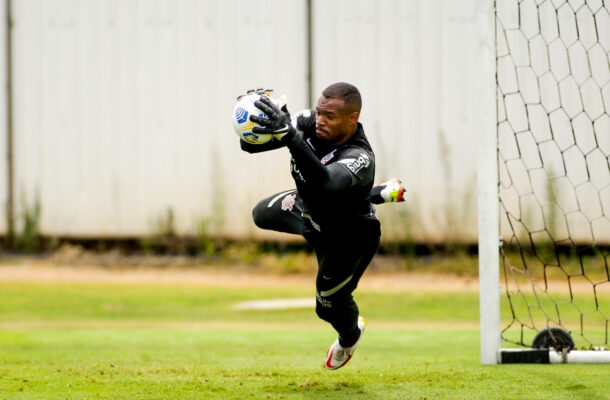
(244, 108)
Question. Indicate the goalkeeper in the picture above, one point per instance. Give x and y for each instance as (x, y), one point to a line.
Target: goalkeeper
(333, 166)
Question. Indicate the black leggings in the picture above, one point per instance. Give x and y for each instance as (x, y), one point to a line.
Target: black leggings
(343, 255)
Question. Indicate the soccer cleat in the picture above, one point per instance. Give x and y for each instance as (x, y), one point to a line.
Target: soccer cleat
(337, 355)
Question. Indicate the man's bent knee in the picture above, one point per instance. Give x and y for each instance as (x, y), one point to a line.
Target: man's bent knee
(324, 308)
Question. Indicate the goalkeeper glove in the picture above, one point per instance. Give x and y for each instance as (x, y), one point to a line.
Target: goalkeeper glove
(393, 192)
(305, 121)
(276, 122)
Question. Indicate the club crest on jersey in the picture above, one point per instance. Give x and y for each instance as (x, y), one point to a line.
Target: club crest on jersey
(356, 164)
(288, 202)
(328, 157)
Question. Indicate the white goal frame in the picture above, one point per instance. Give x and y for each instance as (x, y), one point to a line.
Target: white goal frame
(489, 238)
(489, 223)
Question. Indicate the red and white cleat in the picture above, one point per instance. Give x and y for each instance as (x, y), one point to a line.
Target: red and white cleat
(337, 356)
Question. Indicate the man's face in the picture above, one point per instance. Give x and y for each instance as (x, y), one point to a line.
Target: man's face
(334, 122)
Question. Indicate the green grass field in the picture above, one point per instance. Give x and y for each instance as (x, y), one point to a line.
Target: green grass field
(185, 340)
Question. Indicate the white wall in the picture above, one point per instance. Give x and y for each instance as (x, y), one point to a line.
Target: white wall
(122, 108)
(415, 63)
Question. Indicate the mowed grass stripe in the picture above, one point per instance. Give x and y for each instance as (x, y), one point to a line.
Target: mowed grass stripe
(23, 301)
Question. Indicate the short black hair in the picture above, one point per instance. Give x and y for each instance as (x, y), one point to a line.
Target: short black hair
(347, 92)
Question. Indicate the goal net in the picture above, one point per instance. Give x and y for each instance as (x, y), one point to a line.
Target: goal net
(553, 179)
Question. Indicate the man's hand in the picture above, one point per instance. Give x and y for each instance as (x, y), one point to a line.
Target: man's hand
(393, 192)
(276, 122)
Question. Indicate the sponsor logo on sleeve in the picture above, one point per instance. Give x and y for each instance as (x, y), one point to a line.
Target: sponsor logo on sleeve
(356, 164)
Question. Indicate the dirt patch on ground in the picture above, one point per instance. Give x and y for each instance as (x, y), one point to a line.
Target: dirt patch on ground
(182, 271)
(212, 276)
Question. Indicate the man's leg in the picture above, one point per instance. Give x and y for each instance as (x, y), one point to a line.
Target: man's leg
(280, 212)
(339, 271)
(340, 267)
(342, 259)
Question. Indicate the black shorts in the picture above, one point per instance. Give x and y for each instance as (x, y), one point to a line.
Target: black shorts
(343, 251)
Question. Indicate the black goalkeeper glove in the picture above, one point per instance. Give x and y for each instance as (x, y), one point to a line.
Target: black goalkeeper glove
(305, 121)
(276, 122)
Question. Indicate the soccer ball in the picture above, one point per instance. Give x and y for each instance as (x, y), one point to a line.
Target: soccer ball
(241, 119)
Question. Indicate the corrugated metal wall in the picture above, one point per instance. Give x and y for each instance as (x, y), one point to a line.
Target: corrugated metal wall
(415, 63)
(122, 108)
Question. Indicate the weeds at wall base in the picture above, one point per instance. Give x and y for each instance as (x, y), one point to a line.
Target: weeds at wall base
(270, 257)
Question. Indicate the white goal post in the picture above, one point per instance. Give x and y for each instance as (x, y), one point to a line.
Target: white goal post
(544, 180)
(489, 259)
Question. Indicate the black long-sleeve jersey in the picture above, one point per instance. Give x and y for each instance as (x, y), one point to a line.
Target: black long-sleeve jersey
(334, 182)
